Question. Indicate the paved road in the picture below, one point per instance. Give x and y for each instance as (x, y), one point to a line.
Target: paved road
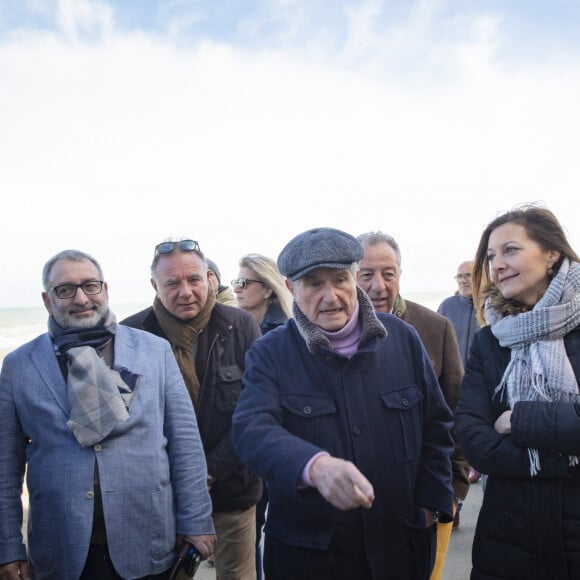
(458, 563)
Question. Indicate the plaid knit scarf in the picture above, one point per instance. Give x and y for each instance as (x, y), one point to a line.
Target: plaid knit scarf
(539, 369)
(98, 395)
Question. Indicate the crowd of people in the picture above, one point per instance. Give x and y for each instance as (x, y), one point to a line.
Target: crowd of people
(307, 401)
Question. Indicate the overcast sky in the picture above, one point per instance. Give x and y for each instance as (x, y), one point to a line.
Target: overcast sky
(242, 123)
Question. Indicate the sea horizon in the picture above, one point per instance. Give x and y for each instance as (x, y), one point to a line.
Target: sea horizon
(19, 325)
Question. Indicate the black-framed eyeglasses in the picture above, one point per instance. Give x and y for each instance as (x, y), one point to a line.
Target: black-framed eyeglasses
(243, 282)
(90, 288)
(462, 276)
(183, 245)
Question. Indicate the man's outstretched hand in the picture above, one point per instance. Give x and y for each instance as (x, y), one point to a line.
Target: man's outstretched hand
(341, 483)
(17, 570)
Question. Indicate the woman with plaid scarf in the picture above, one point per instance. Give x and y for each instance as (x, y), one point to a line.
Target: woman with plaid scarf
(518, 419)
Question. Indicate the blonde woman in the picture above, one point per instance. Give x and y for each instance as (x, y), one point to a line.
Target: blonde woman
(261, 290)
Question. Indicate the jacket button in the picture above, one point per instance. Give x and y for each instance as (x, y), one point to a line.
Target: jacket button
(98, 447)
(405, 402)
(90, 494)
(356, 431)
(307, 410)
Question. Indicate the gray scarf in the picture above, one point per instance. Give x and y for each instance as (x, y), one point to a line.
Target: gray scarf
(539, 369)
(315, 339)
(98, 395)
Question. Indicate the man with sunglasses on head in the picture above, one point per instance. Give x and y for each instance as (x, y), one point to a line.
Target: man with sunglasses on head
(209, 340)
(98, 417)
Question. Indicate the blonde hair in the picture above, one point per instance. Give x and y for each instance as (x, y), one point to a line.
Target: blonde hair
(267, 272)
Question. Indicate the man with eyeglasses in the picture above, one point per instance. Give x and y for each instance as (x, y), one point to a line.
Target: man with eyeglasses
(99, 418)
(209, 340)
(380, 274)
(460, 310)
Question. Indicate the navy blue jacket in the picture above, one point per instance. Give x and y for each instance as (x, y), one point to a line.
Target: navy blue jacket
(528, 527)
(382, 409)
(273, 318)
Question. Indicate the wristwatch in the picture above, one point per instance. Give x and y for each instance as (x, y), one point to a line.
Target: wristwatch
(435, 514)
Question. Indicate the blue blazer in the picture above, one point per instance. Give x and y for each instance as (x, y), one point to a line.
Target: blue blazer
(152, 469)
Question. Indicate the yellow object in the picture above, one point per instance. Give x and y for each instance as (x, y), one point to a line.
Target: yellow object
(443, 537)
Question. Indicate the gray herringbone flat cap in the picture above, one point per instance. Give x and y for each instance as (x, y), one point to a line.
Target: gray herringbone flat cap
(318, 248)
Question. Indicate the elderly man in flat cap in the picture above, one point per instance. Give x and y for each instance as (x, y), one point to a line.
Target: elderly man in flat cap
(342, 415)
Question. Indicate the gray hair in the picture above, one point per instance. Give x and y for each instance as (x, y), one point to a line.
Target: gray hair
(73, 256)
(156, 255)
(378, 237)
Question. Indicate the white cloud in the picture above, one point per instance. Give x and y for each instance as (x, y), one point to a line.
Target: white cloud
(361, 27)
(84, 18)
(110, 146)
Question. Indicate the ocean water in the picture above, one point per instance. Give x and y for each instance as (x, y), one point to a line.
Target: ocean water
(19, 325)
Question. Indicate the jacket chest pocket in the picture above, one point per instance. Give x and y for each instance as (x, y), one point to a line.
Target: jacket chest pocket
(309, 417)
(402, 411)
(227, 388)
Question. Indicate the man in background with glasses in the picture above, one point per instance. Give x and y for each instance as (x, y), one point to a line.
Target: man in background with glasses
(459, 309)
(99, 416)
(209, 340)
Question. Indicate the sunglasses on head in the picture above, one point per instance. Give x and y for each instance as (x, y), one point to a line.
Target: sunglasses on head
(183, 245)
(243, 282)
